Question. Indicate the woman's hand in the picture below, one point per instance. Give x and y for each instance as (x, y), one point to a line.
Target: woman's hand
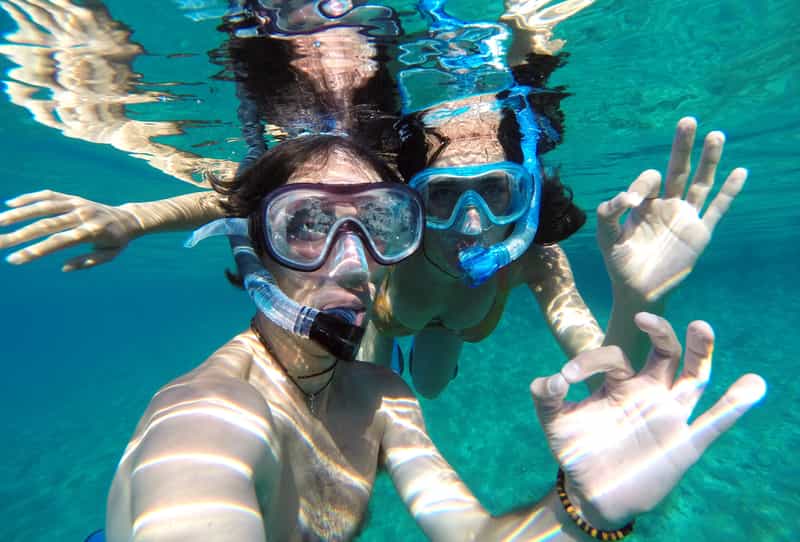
(664, 234)
(626, 446)
(65, 221)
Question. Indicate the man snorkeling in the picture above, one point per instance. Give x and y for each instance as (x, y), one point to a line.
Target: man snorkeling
(279, 434)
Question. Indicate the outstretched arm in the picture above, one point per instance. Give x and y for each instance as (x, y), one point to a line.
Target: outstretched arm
(201, 463)
(663, 234)
(440, 502)
(623, 449)
(65, 221)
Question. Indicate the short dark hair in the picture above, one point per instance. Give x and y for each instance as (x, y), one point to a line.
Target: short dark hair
(243, 194)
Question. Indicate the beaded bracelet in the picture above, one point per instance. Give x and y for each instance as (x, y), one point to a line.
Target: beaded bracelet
(569, 508)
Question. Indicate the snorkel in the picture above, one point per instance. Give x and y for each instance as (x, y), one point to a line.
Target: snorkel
(480, 263)
(332, 330)
(479, 70)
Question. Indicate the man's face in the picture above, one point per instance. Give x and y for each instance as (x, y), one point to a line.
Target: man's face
(349, 277)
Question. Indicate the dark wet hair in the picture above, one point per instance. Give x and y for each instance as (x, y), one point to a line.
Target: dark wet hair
(559, 216)
(243, 194)
(270, 89)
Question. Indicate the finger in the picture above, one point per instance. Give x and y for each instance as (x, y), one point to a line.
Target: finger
(696, 365)
(85, 261)
(665, 353)
(704, 176)
(609, 213)
(722, 202)
(41, 228)
(742, 395)
(680, 157)
(548, 396)
(53, 243)
(647, 184)
(35, 210)
(607, 360)
(33, 197)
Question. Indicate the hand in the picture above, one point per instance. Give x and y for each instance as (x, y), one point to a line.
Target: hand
(628, 444)
(70, 220)
(664, 235)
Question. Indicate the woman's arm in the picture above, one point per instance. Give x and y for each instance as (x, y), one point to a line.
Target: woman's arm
(549, 276)
(65, 221)
(202, 464)
(663, 234)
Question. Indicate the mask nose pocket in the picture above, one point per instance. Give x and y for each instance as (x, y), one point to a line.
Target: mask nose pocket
(349, 265)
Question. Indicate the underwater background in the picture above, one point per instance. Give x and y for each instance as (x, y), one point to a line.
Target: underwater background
(83, 352)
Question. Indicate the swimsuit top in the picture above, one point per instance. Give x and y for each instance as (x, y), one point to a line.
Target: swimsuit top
(387, 324)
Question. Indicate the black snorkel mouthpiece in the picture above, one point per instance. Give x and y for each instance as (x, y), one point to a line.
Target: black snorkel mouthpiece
(335, 331)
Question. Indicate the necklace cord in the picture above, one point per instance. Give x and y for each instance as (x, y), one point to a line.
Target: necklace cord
(308, 396)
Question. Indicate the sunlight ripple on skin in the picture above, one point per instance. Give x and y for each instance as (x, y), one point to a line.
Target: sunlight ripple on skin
(213, 459)
(233, 418)
(173, 513)
(568, 316)
(573, 453)
(649, 265)
(515, 535)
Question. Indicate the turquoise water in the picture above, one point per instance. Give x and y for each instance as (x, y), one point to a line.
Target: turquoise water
(84, 352)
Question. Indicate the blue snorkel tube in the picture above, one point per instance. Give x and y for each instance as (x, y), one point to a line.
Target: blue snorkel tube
(479, 71)
(480, 263)
(333, 332)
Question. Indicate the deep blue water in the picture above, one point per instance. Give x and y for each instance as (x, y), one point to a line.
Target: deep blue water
(83, 352)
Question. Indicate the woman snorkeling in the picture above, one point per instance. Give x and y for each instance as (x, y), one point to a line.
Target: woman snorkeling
(276, 438)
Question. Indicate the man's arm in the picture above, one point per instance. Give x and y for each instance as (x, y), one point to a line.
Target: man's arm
(191, 471)
(439, 501)
(622, 449)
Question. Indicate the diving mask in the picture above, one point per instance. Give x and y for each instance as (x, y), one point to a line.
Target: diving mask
(301, 221)
(502, 192)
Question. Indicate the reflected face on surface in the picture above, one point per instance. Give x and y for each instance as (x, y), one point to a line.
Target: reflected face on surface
(349, 276)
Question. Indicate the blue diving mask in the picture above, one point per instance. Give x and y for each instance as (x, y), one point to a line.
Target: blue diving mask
(501, 191)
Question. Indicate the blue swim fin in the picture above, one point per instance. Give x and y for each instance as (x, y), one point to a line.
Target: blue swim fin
(398, 363)
(97, 536)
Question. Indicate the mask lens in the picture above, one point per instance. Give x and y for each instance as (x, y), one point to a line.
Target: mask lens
(441, 197)
(302, 221)
(497, 192)
(306, 230)
(501, 190)
(391, 225)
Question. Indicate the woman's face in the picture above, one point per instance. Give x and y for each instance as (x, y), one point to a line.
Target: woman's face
(472, 227)
(349, 277)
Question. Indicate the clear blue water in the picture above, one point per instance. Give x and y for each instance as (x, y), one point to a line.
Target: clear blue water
(82, 353)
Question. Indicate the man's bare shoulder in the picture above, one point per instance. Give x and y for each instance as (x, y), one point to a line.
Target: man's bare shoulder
(379, 378)
(233, 359)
